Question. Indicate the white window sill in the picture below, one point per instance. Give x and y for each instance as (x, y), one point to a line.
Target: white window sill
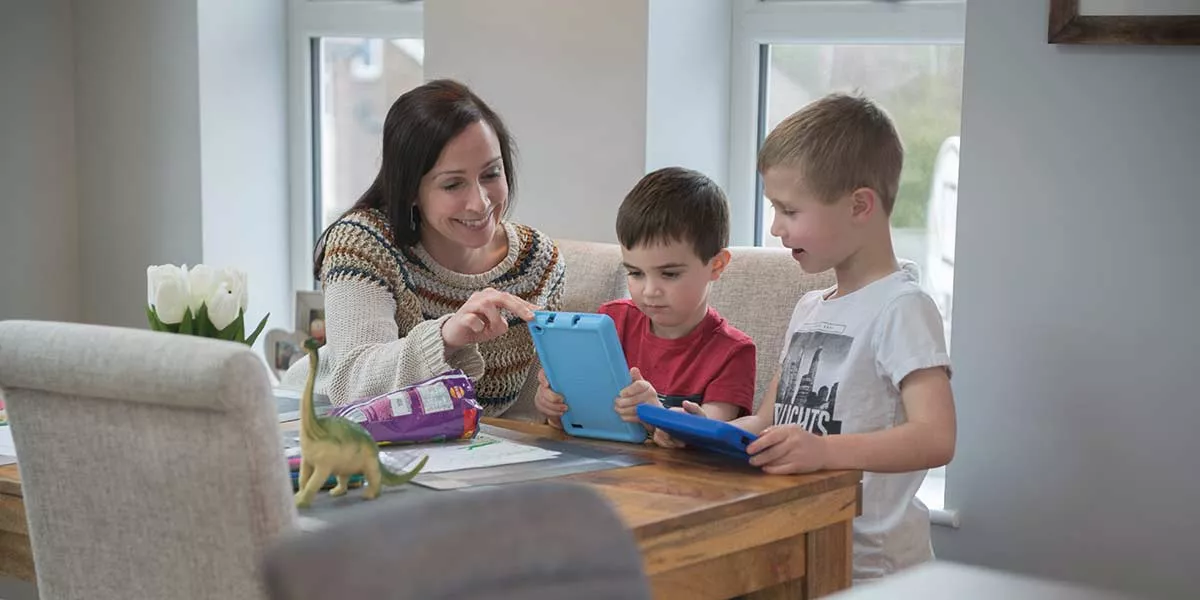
(943, 517)
(933, 495)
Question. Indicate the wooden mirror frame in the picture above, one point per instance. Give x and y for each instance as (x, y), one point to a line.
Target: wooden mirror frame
(1067, 26)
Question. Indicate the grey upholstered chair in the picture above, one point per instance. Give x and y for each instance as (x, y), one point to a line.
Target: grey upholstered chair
(757, 294)
(594, 275)
(535, 541)
(151, 463)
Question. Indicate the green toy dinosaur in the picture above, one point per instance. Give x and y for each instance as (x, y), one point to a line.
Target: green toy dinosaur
(338, 446)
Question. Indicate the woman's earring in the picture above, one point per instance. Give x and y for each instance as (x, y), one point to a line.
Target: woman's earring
(412, 219)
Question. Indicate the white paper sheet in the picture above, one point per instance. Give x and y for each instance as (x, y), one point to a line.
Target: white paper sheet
(288, 404)
(483, 451)
(7, 448)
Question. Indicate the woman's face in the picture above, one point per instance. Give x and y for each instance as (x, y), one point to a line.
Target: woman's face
(463, 197)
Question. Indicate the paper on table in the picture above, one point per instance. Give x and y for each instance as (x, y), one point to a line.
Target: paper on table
(288, 404)
(7, 448)
(483, 451)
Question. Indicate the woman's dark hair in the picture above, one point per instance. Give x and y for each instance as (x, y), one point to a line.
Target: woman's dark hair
(418, 126)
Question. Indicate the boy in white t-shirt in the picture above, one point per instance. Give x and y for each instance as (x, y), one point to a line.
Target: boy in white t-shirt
(864, 377)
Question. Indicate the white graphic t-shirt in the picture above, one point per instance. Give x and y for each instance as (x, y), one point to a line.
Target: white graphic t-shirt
(842, 363)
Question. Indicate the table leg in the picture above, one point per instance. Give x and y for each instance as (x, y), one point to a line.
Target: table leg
(829, 566)
(831, 570)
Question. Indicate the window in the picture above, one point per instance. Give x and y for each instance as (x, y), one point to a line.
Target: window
(906, 55)
(358, 79)
(348, 61)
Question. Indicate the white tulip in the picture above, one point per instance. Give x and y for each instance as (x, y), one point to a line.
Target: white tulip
(236, 279)
(222, 306)
(202, 281)
(167, 287)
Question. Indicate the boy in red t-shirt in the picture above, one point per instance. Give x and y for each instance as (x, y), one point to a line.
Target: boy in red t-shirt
(674, 228)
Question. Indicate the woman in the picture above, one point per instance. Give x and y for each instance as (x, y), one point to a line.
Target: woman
(424, 274)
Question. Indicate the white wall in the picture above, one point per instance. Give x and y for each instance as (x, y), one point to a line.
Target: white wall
(243, 149)
(39, 217)
(688, 79)
(569, 79)
(139, 132)
(1075, 338)
(138, 146)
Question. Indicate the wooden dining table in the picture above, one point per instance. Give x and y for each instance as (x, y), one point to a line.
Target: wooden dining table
(707, 527)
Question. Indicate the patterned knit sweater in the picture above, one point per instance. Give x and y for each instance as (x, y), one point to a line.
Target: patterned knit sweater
(384, 308)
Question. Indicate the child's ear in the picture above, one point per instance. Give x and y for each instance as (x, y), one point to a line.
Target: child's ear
(864, 203)
(719, 262)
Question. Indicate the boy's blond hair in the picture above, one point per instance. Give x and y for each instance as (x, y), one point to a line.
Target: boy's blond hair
(841, 143)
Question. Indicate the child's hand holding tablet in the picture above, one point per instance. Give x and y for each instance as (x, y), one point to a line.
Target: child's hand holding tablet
(635, 394)
(549, 402)
(664, 439)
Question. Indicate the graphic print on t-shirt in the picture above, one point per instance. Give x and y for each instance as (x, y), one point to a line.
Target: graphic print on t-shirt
(809, 379)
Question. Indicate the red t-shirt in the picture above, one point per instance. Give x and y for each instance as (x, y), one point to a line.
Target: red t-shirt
(713, 363)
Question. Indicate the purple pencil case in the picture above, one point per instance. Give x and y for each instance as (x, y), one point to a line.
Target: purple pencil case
(439, 409)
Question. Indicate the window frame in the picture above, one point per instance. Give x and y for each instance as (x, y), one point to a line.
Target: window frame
(756, 24)
(759, 23)
(307, 22)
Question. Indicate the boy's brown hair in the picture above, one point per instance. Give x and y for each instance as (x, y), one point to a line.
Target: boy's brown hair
(675, 205)
(841, 143)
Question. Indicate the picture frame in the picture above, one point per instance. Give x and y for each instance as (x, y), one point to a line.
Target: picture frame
(310, 314)
(283, 349)
(1128, 22)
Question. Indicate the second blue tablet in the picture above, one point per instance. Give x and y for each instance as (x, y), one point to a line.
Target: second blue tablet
(584, 363)
(699, 432)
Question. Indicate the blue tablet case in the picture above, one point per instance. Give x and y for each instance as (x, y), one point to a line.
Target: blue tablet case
(584, 362)
(699, 432)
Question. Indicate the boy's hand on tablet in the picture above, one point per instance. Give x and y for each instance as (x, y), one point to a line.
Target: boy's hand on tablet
(664, 439)
(548, 402)
(638, 392)
(787, 449)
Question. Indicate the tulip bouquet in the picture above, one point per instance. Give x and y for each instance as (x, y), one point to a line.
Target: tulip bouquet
(202, 301)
